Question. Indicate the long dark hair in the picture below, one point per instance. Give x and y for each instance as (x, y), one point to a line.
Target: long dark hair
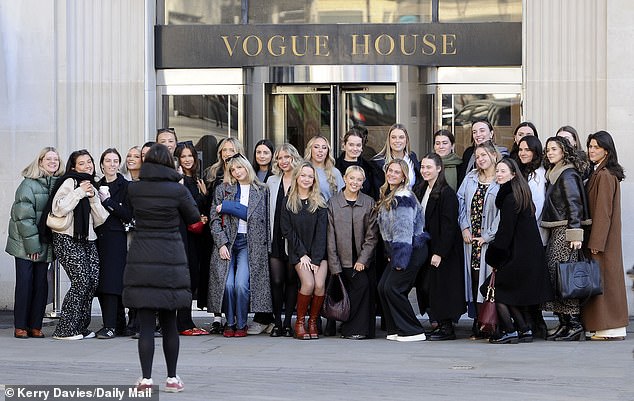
(268, 144)
(571, 156)
(535, 146)
(72, 161)
(519, 186)
(441, 181)
(179, 151)
(106, 152)
(605, 141)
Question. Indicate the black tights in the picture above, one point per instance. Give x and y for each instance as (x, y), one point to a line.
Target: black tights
(283, 288)
(167, 319)
(508, 314)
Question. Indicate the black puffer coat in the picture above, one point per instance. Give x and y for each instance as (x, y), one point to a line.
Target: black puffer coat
(156, 274)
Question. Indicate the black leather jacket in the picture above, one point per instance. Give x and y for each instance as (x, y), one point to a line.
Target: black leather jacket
(566, 202)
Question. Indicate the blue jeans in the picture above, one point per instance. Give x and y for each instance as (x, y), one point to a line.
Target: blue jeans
(236, 297)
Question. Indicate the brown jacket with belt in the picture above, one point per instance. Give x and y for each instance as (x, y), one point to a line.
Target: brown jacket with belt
(342, 219)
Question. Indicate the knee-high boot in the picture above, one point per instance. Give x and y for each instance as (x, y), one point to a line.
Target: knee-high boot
(315, 310)
(300, 324)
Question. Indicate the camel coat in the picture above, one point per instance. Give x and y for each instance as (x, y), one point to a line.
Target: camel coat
(607, 311)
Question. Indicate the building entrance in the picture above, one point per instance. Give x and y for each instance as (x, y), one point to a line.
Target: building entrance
(297, 113)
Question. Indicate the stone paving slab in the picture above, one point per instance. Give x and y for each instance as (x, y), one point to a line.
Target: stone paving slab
(264, 368)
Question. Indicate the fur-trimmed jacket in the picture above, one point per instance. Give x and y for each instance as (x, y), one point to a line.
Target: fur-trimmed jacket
(566, 203)
(402, 228)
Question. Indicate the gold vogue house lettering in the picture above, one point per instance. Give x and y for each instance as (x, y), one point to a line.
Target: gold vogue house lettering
(433, 44)
(361, 45)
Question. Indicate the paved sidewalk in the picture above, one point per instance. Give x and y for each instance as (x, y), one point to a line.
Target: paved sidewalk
(265, 368)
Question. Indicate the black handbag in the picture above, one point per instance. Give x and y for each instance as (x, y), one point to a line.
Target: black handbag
(579, 280)
(337, 303)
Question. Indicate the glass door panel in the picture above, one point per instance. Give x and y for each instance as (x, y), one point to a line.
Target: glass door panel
(373, 107)
(460, 110)
(296, 114)
(203, 120)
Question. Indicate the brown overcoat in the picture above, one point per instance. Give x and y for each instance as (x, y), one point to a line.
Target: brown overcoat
(607, 311)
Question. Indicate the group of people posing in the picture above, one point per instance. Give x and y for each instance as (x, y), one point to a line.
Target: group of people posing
(263, 235)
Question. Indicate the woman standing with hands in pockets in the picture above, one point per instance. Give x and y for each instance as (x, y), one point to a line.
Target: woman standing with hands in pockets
(24, 242)
(304, 225)
(352, 236)
(606, 314)
(445, 274)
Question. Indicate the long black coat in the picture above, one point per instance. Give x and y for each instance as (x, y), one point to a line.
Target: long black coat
(156, 274)
(518, 255)
(444, 284)
(112, 239)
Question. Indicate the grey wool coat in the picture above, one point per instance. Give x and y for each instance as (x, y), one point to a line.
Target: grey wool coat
(224, 229)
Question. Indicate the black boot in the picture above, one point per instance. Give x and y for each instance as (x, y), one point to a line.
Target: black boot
(444, 332)
(563, 327)
(575, 331)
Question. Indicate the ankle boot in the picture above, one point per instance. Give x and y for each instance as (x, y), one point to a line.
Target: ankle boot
(443, 332)
(315, 310)
(575, 331)
(561, 329)
(300, 323)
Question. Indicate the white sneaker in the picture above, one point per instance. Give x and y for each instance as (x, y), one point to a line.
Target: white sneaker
(174, 385)
(256, 328)
(89, 334)
(415, 337)
(75, 337)
(269, 328)
(391, 337)
(143, 384)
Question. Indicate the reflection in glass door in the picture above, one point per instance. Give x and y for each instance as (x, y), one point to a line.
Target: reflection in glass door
(297, 113)
(373, 107)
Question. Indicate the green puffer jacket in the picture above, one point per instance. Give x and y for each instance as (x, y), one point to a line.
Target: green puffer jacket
(30, 199)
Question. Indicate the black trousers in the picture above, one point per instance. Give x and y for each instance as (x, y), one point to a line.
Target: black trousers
(394, 288)
(31, 292)
(358, 286)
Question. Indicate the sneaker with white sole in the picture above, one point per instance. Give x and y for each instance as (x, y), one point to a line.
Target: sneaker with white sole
(143, 384)
(256, 328)
(415, 337)
(88, 334)
(391, 337)
(174, 385)
(71, 338)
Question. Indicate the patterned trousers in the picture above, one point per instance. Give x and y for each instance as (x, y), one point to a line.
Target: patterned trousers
(81, 263)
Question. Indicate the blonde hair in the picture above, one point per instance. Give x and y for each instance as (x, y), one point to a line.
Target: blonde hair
(315, 198)
(329, 163)
(386, 152)
(291, 150)
(386, 196)
(212, 171)
(239, 160)
(35, 171)
(354, 169)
